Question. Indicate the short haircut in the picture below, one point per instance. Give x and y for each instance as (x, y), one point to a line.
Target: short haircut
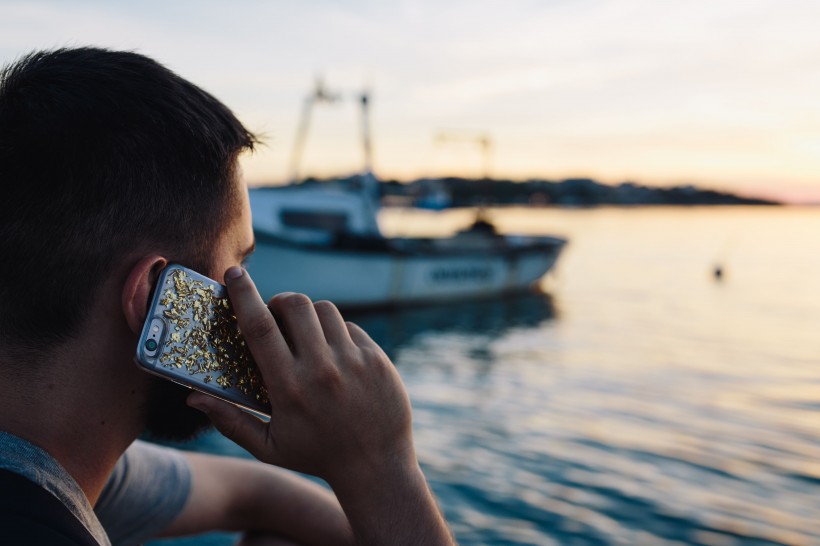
(102, 153)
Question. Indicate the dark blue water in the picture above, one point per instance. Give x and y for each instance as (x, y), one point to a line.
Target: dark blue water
(637, 401)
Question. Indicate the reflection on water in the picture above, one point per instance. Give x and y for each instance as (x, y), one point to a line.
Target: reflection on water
(403, 327)
(655, 407)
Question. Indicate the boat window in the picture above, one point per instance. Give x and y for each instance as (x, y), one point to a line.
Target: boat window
(328, 221)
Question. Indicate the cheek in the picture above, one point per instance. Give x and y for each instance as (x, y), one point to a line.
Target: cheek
(220, 261)
(225, 257)
(220, 266)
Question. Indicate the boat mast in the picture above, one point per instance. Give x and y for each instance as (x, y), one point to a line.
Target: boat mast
(319, 94)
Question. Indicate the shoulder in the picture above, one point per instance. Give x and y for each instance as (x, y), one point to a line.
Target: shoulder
(31, 515)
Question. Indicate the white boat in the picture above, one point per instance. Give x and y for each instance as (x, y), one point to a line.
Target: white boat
(324, 240)
(326, 243)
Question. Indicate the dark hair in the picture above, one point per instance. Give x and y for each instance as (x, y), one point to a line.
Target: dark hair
(102, 153)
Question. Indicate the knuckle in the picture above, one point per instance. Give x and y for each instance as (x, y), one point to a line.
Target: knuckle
(372, 356)
(228, 428)
(351, 326)
(327, 376)
(293, 394)
(324, 306)
(259, 327)
(357, 364)
(367, 355)
(291, 301)
(279, 296)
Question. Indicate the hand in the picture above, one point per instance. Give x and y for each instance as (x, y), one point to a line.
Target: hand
(338, 411)
(338, 405)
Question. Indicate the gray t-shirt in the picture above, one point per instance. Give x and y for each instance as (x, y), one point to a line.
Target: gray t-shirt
(145, 493)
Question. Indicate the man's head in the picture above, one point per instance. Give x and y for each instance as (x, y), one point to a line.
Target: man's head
(104, 157)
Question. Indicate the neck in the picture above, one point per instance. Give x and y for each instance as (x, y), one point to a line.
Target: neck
(84, 411)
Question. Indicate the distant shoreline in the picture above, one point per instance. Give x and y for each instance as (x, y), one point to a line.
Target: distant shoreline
(572, 192)
(449, 192)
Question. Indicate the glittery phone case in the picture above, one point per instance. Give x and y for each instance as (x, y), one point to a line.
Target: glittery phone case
(191, 337)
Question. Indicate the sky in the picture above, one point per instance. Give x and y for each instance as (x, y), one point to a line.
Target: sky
(718, 93)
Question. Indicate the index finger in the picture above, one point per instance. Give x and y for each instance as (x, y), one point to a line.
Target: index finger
(256, 323)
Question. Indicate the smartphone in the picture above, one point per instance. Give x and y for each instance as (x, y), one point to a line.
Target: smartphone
(191, 337)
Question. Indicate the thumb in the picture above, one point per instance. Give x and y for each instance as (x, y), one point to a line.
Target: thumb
(245, 429)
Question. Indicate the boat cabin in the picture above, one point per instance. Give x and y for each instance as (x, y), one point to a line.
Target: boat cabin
(313, 215)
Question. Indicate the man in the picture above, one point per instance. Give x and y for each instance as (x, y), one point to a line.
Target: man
(111, 168)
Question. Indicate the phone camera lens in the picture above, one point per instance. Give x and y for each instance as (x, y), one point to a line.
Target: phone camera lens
(151, 345)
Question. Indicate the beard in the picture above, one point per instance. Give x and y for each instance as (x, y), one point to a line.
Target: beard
(168, 417)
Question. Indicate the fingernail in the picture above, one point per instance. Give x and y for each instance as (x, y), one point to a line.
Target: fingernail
(234, 273)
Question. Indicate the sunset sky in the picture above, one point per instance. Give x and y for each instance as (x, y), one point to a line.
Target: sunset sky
(719, 93)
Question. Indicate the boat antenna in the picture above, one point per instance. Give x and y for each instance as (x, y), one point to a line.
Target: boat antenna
(364, 98)
(483, 141)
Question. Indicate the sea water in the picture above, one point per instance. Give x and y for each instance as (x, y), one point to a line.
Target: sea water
(639, 398)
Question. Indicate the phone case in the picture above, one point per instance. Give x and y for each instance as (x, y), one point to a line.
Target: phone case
(191, 337)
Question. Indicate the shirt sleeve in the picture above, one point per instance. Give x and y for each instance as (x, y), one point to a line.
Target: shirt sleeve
(145, 493)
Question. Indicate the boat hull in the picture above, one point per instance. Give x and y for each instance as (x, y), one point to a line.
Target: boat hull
(385, 276)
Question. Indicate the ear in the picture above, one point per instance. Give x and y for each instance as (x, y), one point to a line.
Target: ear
(137, 290)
